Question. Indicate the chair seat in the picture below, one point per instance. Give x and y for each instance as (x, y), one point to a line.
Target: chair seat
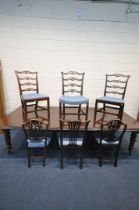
(73, 100)
(104, 142)
(111, 99)
(66, 142)
(32, 144)
(34, 96)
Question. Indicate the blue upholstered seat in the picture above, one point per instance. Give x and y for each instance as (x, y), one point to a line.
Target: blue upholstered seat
(111, 99)
(66, 141)
(37, 144)
(104, 142)
(73, 100)
(33, 96)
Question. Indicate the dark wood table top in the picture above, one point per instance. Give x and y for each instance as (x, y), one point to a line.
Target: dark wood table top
(14, 120)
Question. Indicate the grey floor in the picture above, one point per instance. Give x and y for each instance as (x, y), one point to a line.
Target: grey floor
(50, 188)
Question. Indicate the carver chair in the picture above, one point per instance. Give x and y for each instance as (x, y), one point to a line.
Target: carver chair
(110, 140)
(36, 139)
(72, 136)
(72, 99)
(113, 100)
(31, 99)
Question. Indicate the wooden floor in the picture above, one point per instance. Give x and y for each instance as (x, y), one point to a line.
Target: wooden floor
(14, 120)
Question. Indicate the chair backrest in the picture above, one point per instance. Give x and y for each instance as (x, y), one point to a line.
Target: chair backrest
(27, 81)
(35, 130)
(113, 131)
(116, 84)
(73, 130)
(72, 83)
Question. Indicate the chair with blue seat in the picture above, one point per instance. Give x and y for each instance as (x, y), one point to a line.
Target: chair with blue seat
(72, 99)
(31, 99)
(73, 134)
(37, 140)
(112, 103)
(110, 140)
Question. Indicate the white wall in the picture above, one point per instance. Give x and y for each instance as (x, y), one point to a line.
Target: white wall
(51, 36)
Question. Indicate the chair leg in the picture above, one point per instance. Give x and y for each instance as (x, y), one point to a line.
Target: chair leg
(44, 157)
(36, 109)
(95, 113)
(79, 111)
(103, 113)
(100, 161)
(29, 161)
(100, 156)
(60, 110)
(81, 159)
(43, 162)
(48, 107)
(86, 115)
(116, 157)
(102, 119)
(24, 111)
(115, 163)
(121, 109)
(64, 111)
(61, 159)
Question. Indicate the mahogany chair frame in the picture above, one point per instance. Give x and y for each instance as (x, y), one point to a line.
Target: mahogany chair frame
(75, 131)
(36, 139)
(111, 136)
(28, 86)
(113, 99)
(72, 86)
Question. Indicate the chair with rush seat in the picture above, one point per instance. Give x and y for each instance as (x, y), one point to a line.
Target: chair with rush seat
(72, 136)
(31, 99)
(37, 140)
(110, 140)
(113, 99)
(72, 99)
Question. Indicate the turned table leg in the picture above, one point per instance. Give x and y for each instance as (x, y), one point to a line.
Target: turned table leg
(8, 140)
(132, 142)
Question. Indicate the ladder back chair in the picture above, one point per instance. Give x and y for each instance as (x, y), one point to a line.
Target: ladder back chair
(113, 100)
(72, 136)
(36, 139)
(72, 99)
(31, 99)
(110, 140)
